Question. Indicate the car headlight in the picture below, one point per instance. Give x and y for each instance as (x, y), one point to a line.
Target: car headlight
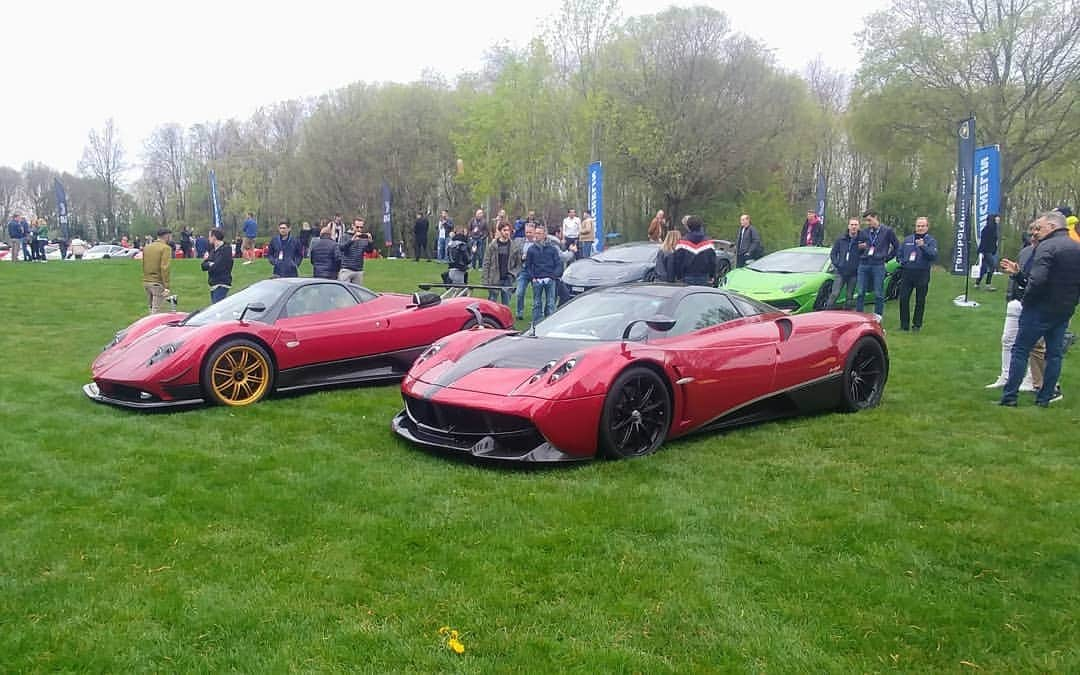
(540, 373)
(791, 288)
(565, 368)
(429, 352)
(117, 339)
(163, 352)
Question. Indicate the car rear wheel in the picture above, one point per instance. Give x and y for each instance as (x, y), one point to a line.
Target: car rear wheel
(636, 415)
(237, 373)
(864, 375)
(722, 268)
(822, 299)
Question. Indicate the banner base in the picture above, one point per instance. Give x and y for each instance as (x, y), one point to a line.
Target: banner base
(962, 301)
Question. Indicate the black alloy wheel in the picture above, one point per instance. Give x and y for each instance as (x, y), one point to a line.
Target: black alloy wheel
(636, 415)
(822, 299)
(865, 373)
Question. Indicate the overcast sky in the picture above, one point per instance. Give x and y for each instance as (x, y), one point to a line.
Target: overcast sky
(68, 66)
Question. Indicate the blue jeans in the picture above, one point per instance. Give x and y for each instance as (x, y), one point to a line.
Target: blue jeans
(871, 277)
(218, 294)
(502, 295)
(1035, 324)
(986, 269)
(440, 251)
(584, 249)
(522, 286)
(478, 257)
(543, 298)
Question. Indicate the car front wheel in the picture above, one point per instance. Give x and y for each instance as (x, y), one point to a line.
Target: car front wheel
(636, 415)
(237, 373)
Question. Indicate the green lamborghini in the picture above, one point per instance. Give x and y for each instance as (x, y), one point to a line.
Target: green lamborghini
(796, 279)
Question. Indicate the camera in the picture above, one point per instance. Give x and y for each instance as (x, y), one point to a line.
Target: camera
(172, 300)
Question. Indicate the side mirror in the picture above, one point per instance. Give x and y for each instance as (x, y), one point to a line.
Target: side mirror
(256, 307)
(659, 323)
(421, 300)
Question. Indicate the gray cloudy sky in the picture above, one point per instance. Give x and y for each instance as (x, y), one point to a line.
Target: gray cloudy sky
(68, 66)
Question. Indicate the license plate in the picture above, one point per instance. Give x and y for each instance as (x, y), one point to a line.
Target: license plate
(577, 289)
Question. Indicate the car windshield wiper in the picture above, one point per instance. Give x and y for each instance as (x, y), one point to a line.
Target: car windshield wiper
(187, 318)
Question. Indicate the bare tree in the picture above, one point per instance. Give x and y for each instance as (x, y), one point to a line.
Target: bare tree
(11, 188)
(103, 160)
(165, 158)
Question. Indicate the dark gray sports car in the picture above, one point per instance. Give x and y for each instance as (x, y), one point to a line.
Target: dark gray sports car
(627, 263)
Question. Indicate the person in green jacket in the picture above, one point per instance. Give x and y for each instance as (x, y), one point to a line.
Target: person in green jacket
(41, 239)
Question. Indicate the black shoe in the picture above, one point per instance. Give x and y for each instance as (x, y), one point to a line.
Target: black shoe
(904, 328)
(916, 329)
(1007, 404)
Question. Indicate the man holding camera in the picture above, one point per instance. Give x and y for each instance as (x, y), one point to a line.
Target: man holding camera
(352, 254)
(155, 269)
(916, 254)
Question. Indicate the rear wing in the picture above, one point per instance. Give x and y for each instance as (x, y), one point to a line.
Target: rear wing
(460, 290)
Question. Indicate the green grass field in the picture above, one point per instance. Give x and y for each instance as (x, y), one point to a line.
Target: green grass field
(935, 533)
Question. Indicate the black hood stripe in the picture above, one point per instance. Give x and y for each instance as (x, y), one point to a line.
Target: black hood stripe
(508, 351)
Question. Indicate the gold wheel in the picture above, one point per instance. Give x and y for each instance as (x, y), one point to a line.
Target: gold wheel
(238, 374)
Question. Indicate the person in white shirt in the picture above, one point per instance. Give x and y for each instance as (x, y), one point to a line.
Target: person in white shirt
(571, 229)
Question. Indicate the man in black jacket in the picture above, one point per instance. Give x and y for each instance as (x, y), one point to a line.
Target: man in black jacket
(325, 256)
(748, 243)
(218, 266)
(352, 254)
(1053, 290)
(845, 258)
(694, 261)
(877, 246)
(988, 246)
(420, 236)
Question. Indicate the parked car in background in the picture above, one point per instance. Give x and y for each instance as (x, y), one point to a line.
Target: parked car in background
(627, 263)
(796, 279)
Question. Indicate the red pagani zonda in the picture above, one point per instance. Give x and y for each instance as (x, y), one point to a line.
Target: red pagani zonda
(620, 369)
(278, 335)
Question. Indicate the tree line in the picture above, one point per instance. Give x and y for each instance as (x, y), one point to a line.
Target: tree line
(686, 114)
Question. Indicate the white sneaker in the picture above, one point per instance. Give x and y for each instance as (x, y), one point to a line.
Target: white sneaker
(996, 384)
(1027, 386)
(877, 317)
(247, 262)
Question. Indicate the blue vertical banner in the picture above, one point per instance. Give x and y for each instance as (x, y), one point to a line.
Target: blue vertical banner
(62, 210)
(214, 199)
(596, 201)
(987, 192)
(821, 197)
(387, 219)
(962, 222)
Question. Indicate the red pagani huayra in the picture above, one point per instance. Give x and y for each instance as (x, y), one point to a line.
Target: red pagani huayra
(617, 371)
(278, 335)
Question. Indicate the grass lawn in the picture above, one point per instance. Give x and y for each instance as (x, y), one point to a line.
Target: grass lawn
(935, 533)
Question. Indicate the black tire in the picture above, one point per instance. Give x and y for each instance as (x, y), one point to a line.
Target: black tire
(488, 323)
(636, 415)
(237, 373)
(865, 373)
(822, 299)
(106, 256)
(892, 286)
(722, 268)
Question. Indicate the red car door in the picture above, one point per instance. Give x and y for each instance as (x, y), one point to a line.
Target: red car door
(723, 360)
(324, 323)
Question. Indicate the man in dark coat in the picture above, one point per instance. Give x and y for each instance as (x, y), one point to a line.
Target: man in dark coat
(420, 236)
(1053, 290)
(284, 252)
(325, 256)
(988, 248)
(218, 266)
(845, 259)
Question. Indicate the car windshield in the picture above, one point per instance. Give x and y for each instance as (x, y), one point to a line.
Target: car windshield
(229, 309)
(791, 262)
(599, 316)
(642, 253)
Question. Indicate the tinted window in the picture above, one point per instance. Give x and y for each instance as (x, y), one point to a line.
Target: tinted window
(749, 307)
(635, 253)
(318, 298)
(791, 262)
(600, 316)
(229, 309)
(702, 310)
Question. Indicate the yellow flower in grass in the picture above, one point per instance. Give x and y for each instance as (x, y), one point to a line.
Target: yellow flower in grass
(455, 644)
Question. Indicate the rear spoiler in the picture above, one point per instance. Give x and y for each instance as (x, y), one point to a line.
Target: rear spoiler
(458, 290)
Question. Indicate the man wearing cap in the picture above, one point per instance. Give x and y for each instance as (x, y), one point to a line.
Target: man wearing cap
(155, 269)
